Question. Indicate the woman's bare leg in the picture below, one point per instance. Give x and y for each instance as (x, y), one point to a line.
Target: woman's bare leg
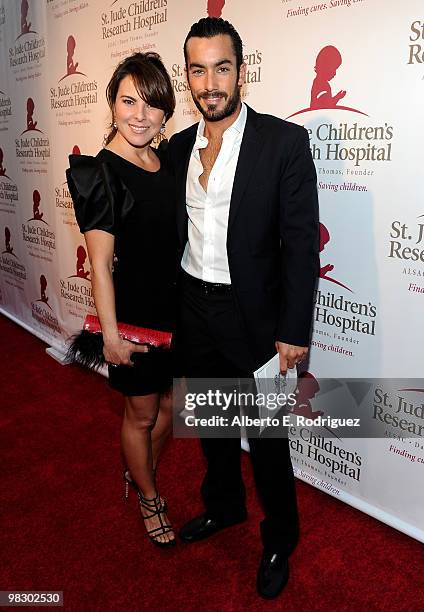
(140, 416)
(163, 426)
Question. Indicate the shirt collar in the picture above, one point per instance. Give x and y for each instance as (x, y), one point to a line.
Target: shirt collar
(235, 128)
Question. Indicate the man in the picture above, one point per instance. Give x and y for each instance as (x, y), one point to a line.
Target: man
(248, 231)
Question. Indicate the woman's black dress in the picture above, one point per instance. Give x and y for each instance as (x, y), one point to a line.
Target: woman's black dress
(138, 208)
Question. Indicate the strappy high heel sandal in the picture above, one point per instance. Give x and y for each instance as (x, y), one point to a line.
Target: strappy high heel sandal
(129, 482)
(154, 507)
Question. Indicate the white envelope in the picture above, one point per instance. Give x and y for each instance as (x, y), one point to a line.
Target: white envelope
(270, 380)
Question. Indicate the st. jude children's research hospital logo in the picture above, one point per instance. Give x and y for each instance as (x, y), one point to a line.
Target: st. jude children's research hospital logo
(339, 316)
(40, 240)
(41, 309)
(9, 260)
(73, 91)
(327, 62)
(406, 248)
(29, 48)
(30, 145)
(133, 16)
(75, 290)
(329, 140)
(324, 238)
(9, 194)
(214, 8)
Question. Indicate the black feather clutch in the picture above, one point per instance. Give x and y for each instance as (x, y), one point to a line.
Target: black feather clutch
(86, 347)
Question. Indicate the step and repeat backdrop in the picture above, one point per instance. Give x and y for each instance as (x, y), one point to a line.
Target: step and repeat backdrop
(352, 73)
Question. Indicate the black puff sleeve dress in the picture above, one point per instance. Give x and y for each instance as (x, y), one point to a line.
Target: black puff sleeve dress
(138, 208)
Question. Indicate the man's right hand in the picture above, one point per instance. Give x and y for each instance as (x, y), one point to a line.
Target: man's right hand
(290, 355)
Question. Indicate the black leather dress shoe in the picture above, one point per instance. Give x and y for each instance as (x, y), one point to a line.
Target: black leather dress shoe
(273, 574)
(203, 526)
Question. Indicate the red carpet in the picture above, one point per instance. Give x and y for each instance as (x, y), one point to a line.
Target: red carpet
(65, 526)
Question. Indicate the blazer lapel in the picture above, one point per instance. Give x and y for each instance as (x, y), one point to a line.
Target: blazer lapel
(181, 176)
(250, 148)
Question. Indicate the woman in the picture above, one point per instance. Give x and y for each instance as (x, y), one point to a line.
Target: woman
(124, 205)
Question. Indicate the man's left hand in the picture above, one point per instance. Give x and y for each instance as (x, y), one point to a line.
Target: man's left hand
(290, 355)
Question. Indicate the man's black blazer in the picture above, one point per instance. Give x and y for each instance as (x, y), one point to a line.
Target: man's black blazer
(273, 231)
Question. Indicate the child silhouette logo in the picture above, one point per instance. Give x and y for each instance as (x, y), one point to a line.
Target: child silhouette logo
(215, 7)
(25, 25)
(327, 62)
(326, 65)
(71, 67)
(8, 246)
(2, 168)
(81, 259)
(307, 388)
(324, 238)
(31, 124)
(43, 295)
(37, 215)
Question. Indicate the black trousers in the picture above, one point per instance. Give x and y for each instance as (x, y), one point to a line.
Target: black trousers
(212, 344)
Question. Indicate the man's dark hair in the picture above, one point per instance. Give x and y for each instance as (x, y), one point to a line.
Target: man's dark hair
(214, 26)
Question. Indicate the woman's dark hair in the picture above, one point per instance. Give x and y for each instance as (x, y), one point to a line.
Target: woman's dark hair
(151, 80)
(214, 26)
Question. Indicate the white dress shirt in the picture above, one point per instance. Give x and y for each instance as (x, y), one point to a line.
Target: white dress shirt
(205, 254)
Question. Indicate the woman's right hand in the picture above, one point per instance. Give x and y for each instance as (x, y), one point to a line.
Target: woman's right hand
(118, 351)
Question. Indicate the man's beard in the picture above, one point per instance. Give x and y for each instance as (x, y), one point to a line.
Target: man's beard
(211, 114)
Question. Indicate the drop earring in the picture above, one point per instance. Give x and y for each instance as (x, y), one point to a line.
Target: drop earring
(114, 125)
(162, 129)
